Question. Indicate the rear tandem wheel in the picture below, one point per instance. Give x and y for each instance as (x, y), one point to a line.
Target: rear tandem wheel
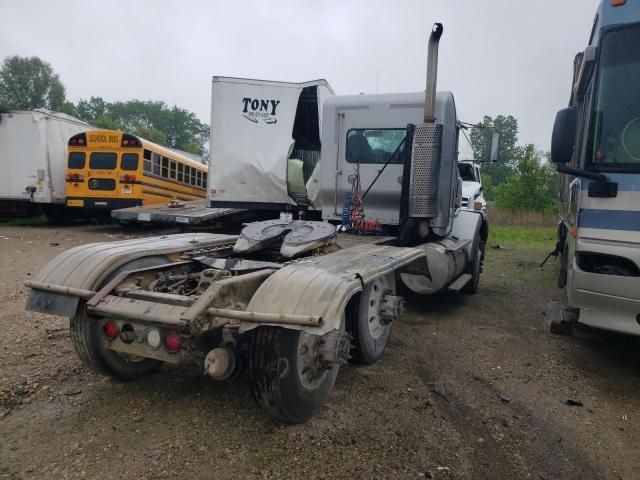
(370, 331)
(286, 378)
(86, 337)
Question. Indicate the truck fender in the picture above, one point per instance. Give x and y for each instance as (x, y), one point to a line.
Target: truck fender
(466, 226)
(88, 266)
(323, 285)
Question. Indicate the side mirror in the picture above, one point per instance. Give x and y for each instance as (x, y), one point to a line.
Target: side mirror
(563, 138)
(495, 147)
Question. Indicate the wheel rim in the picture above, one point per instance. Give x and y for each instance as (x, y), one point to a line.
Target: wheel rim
(377, 290)
(310, 371)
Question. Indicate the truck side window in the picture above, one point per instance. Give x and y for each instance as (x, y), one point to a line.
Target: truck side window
(374, 145)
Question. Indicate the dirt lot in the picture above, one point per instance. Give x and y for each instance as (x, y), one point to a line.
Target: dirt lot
(470, 387)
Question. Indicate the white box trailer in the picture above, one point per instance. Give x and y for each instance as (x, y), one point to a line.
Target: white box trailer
(33, 152)
(264, 134)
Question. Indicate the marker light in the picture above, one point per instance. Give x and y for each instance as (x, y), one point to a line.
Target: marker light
(477, 205)
(617, 3)
(154, 339)
(172, 342)
(110, 330)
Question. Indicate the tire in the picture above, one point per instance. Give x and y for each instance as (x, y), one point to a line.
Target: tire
(369, 332)
(476, 269)
(278, 384)
(86, 337)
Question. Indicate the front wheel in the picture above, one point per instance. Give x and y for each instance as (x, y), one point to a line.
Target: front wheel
(476, 269)
(286, 376)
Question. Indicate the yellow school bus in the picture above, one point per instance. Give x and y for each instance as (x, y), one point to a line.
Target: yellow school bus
(108, 169)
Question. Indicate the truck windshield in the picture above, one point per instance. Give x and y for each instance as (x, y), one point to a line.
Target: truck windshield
(617, 106)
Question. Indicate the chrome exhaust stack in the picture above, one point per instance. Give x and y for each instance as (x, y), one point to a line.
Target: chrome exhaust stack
(432, 73)
(426, 153)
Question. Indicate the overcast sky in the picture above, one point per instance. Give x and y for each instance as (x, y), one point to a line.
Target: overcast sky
(496, 56)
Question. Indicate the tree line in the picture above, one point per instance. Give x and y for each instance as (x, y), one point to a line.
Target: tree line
(27, 83)
(522, 178)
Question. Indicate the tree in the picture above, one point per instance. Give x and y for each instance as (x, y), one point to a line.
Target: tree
(153, 120)
(481, 136)
(28, 83)
(531, 186)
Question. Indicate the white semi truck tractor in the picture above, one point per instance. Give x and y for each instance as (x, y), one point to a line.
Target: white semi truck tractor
(286, 301)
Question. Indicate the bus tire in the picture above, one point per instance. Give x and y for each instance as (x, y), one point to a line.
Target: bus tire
(283, 378)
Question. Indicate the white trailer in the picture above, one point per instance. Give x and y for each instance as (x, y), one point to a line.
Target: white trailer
(33, 146)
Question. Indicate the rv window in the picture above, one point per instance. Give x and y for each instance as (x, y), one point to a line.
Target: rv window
(102, 161)
(374, 145)
(165, 167)
(129, 161)
(77, 159)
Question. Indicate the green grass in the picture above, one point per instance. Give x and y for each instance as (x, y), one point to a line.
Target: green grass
(524, 250)
(513, 235)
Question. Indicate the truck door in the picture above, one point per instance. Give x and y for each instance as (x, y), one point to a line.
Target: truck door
(365, 147)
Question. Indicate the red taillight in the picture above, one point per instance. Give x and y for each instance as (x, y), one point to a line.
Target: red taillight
(129, 177)
(74, 177)
(172, 342)
(110, 330)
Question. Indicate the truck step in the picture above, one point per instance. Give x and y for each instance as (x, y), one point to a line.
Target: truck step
(458, 245)
(459, 283)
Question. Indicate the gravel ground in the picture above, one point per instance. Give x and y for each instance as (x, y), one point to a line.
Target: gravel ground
(470, 387)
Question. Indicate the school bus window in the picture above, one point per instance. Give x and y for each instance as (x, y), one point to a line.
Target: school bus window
(147, 161)
(204, 180)
(187, 174)
(165, 167)
(172, 170)
(102, 160)
(180, 172)
(129, 161)
(156, 164)
(198, 178)
(77, 160)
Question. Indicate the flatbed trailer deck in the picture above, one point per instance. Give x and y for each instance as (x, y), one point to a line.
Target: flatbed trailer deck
(179, 213)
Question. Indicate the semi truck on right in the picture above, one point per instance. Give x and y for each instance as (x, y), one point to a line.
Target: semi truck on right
(596, 147)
